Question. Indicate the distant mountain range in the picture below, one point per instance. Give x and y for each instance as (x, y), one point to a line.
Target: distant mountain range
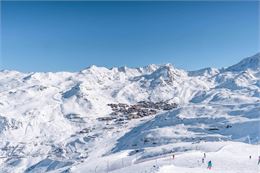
(51, 121)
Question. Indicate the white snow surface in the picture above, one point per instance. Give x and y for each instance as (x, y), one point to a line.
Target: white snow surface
(49, 121)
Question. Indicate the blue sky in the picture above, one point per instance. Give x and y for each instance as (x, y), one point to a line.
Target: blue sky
(69, 36)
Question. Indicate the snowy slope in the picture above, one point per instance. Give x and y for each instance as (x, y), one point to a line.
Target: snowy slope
(51, 122)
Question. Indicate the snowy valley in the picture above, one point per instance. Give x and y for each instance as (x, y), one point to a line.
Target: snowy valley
(122, 120)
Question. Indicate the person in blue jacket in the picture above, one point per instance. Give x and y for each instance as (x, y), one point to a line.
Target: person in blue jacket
(209, 164)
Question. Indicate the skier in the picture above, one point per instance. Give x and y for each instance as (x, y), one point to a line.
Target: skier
(209, 165)
(202, 160)
(173, 156)
(250, 157)
(258, 160)
(204, 155)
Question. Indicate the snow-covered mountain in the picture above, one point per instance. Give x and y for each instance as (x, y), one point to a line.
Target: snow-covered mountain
(124, 119)
(252, 63)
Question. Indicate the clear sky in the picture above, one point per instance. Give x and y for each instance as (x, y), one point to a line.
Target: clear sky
(70, 36)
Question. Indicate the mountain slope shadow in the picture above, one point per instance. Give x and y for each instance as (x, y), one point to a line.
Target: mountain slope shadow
(169, 128)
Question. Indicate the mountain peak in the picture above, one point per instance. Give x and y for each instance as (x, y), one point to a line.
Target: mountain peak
(209, 71)
(166, 72)
(252, 63)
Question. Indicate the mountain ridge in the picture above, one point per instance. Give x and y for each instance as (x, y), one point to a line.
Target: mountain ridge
(62, 121)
